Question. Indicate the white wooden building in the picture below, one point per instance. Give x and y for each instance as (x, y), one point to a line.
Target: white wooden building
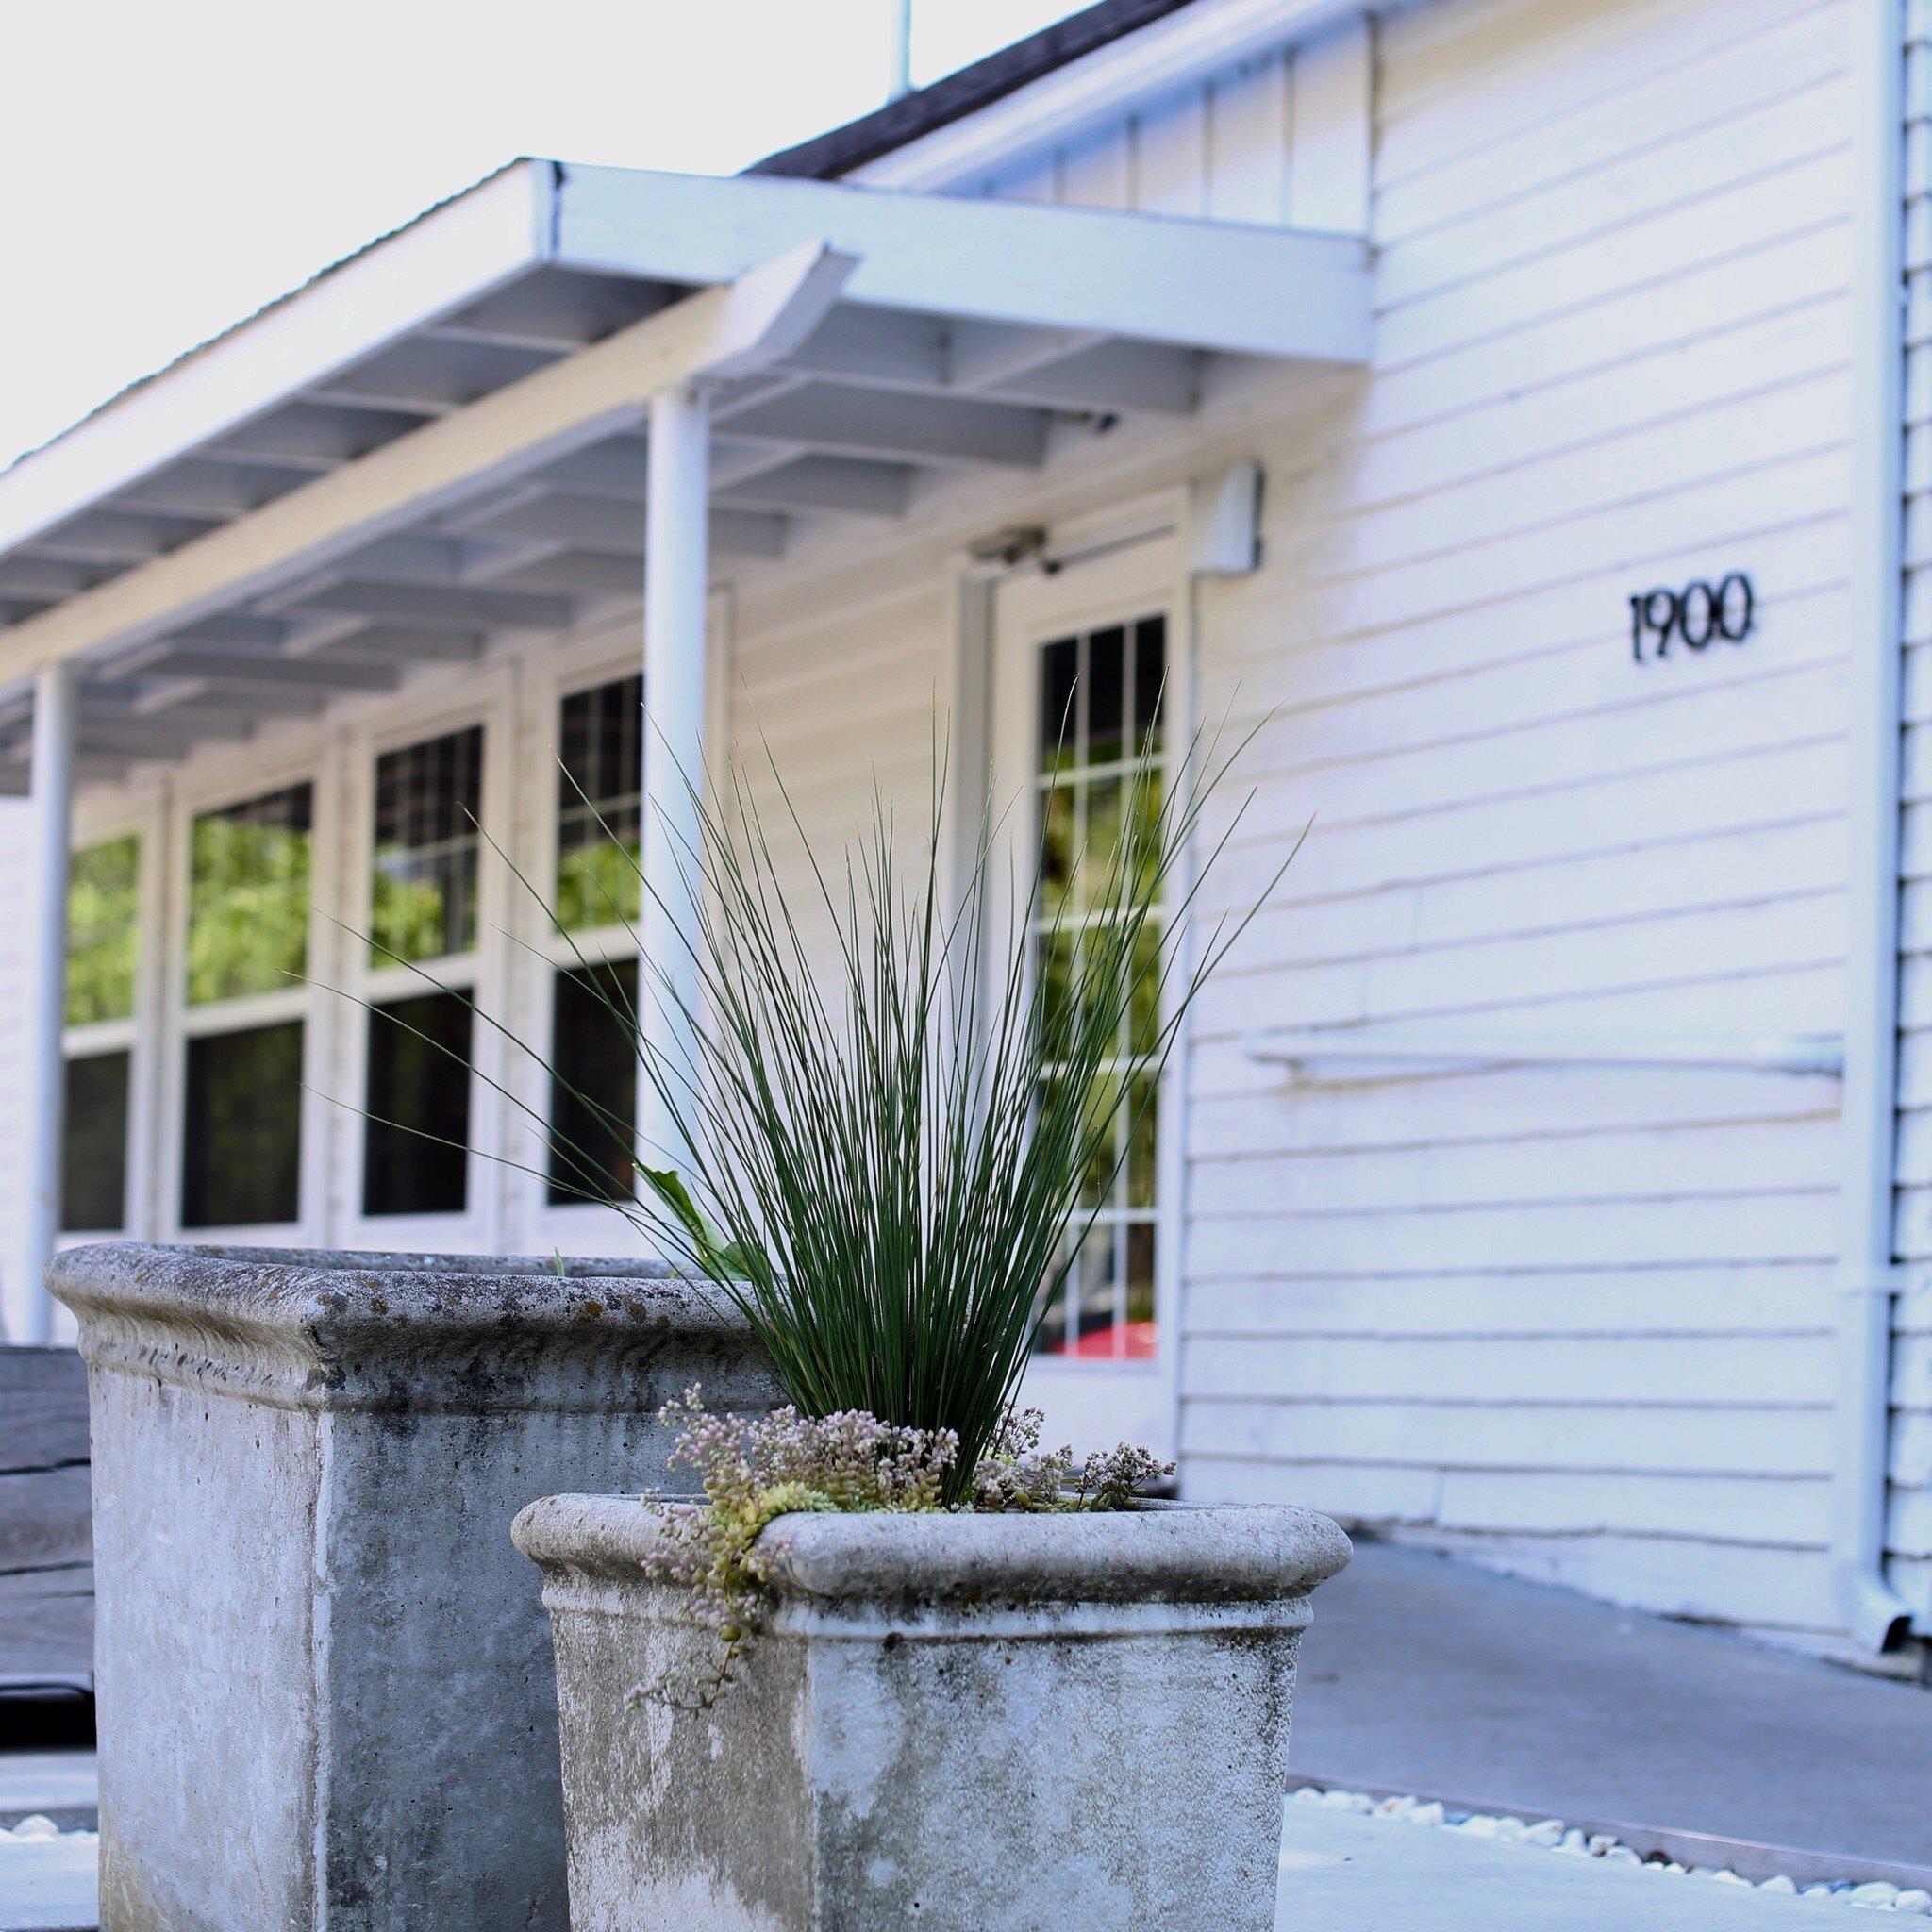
(1549, 1177)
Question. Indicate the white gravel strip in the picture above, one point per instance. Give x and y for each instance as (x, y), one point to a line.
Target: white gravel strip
(1553, 1835)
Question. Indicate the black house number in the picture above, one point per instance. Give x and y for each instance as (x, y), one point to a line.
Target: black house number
(1696, 616)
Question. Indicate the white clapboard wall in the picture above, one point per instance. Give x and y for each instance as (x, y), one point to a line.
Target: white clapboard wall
(1573, 1320)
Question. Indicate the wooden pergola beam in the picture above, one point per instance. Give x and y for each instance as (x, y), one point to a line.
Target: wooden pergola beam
(722, 330)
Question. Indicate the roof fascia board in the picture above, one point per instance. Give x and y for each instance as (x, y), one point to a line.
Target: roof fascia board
(718, 331)
(1082, 97)
(1157, 277)
(461, 250)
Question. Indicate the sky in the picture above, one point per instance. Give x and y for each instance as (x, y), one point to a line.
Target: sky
(171, 168)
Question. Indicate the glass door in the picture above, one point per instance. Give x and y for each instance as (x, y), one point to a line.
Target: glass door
(1086, 691)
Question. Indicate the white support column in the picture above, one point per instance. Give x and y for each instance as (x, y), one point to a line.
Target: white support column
(677, 573)
(46, 1015)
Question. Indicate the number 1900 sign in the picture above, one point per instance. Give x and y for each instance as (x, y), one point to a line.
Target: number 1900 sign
(1696, 616)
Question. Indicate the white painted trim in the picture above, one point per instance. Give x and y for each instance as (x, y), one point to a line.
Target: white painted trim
(487, 700)
(445, 258)
(57, 707)
(610, 652)
(1139, 572)
(1156, 277)
(1303, 1050)
(141, 812)
(232, 783)
(1876, 1615)
(1075, 100)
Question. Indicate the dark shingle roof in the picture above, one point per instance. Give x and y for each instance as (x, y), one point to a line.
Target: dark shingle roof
(827, 156)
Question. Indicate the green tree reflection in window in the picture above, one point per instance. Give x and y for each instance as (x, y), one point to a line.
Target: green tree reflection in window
(103, 930)
(600, 806)
(248, 897)
(428, 798)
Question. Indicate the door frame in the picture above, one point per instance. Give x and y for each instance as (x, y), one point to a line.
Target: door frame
(1095, 1404)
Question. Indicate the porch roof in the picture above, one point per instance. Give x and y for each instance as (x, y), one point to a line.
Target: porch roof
(441, 438)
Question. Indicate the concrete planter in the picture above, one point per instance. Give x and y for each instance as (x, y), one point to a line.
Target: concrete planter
(959, 1724)
(325, 1696)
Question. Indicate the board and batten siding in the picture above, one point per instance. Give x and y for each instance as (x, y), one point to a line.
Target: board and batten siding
(1910, 1525)
(1571, 1322)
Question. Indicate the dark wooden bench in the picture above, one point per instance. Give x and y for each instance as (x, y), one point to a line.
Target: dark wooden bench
(46, 1532)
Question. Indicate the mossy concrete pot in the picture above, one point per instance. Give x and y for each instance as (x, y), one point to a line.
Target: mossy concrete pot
(957, 1724)
(323, 1676)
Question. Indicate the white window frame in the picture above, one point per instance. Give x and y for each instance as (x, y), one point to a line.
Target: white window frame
(1115, 570)
(485, 700)
(141, 812)
(586, 1228)
(235, 783)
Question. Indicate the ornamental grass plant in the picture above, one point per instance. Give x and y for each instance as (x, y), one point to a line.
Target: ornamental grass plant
(891, 1115)
(886, 1147)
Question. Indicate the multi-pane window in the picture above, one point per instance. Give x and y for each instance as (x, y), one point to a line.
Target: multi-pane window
(600, 804)
(417, 1160)
(1099, 778)
(248, 868)
(593, 1082)
(424, 868)
(103, 940)
(593, 1047)
(242, 1164)
(248, 910)
(428, 802)
(103, 930)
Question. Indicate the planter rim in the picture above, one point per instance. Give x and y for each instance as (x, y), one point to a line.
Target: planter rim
(1175, 1552)
(320, 1327)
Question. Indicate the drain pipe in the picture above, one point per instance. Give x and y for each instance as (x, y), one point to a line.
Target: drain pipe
(1874, 1614)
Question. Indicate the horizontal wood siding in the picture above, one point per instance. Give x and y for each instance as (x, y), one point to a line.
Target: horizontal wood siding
(1910, 1512)
(1574, 1321)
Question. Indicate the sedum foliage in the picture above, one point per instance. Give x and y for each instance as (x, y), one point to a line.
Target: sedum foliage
(752, 1471)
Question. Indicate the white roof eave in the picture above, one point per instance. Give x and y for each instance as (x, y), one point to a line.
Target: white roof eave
(952, 332)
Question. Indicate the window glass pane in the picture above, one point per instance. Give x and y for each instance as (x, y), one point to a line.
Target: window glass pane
(1106, 694)
(600, 804)
(416, 1146)
(1059, 719)
(429, 800)
(103, 911)
(248, 897)
(594, 1085)
(94, 1168)
(242, 1132)
(1099, 783)
(1150, 677)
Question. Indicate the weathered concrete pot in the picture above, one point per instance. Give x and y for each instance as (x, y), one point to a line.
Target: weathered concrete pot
(959, 1724)
(324, 1678)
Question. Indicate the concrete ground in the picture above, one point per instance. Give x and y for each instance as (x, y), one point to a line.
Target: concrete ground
(1431, 1677)
(56, 1784)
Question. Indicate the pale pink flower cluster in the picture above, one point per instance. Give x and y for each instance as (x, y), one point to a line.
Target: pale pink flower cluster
(753, 1469)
